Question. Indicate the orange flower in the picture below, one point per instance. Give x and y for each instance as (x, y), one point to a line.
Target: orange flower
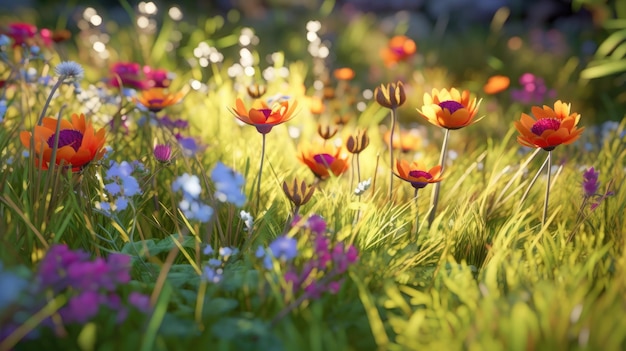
(406, 141)
(496, 84)
(156, 99)
(316, 106)
(344, 73)
(449, 109)
(78, 142)
(324, 158)
(398, 49)
(551, 128)
(263, 117)
(417, 174)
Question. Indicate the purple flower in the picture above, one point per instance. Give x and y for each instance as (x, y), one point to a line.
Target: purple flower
(590, 182)
(81, 308)
(141, 301)
(162, 153)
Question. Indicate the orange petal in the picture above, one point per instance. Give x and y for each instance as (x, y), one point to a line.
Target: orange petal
(51, 123)
(78, 122)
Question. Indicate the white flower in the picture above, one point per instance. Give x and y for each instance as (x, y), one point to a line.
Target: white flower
(362, 187)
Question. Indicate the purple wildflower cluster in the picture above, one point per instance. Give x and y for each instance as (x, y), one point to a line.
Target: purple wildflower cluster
(214, 268)
(90, 286)
(591, 185)
(191, 205)
(533, 91)
(323, 271)
(121, 185)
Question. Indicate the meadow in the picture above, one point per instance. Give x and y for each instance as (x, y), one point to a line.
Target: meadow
(311, 180)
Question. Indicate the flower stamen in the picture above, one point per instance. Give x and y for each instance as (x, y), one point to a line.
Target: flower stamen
(545, 124)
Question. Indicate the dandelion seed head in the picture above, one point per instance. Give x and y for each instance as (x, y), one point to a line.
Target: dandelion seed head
(70, 70)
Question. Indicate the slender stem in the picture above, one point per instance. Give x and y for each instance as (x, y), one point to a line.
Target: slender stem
(358, 169)
(393, 127)
(55, 145)
(45, 106)
(545, 204)
(258, 185)
(442, 161)
(417, 214)
(532, 182)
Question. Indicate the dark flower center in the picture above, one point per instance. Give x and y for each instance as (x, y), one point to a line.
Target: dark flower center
(67, 137)
(324, 159)
(266, 112)
(451, 105)
(544, 124)
(420, 174)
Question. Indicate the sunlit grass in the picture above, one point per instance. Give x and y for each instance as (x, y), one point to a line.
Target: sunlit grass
(478, 271)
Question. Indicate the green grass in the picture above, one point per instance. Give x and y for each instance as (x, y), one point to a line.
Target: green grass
(485, 275)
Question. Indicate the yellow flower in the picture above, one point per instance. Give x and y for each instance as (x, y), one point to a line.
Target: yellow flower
(449, 109)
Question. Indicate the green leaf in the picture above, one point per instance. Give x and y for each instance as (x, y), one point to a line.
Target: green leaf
(604, 70)
(219, 306)
(142, 248)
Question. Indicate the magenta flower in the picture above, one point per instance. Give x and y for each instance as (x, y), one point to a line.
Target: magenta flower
(128, 74)
(162, 153)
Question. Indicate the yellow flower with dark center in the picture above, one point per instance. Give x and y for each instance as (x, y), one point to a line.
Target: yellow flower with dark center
(264, 117)
(551, 128)
(156, 99)
(450, 109)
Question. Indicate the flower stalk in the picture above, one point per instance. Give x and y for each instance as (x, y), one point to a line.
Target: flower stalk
(442, 161)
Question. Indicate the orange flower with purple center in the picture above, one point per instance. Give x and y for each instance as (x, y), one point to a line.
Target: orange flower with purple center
(264, 117)
(550, 127)
(156, 99)
(449, 109)
(399, 48)
(324, 160)
(78, 142)
(417, 174)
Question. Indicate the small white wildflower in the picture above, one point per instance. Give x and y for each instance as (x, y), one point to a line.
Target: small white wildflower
(70, 70)
(247, 219)
(362, 187)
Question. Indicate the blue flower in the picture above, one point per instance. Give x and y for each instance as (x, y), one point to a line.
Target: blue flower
(3, 109)
(12, 287)
(226, 252)
(284, 248)
(113, 188)
(213, 275)
(189, 184)
(208, 250)
(121, 203)
(228, 184)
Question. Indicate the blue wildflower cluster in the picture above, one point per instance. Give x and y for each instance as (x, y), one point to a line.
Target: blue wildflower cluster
(121, 185)
(228, 185)
(190, 205)
(214, 268)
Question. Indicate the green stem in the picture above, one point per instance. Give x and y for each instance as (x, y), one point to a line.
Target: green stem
(442, 161)
(358, 170)
(258, 185)
(417, 214)
(45, 106)
(545, 204)
(532, 182)
(393, 127)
